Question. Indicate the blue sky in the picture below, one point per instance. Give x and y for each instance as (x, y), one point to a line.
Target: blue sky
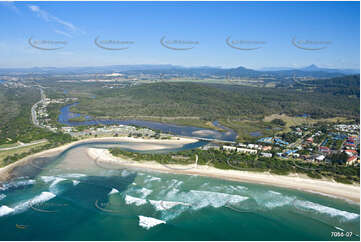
(271, 26)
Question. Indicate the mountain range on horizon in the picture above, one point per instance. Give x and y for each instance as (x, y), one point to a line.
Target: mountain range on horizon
(313, 67)
(173, 69)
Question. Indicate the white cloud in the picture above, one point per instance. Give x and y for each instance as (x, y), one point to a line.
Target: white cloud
(51, 18)
(63, 33)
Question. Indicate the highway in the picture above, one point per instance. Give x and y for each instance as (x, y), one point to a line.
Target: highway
(23, 145)
(33, 109)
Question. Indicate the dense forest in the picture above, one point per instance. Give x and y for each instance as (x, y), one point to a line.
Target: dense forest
(15, 118)
(215, 101)
(345, 85)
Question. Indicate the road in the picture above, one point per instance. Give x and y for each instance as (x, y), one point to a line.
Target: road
(33, 109)
(23, 145)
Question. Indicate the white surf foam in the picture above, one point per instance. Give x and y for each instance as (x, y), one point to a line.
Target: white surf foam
(339, 228)
(56, 181)
(2, 196)
(152, 178)
(175, 183)
(172, 193)
(4, 210)
(73, 175)
(125, 173)
(48, 179)
(333, 212)
(15, 184)
(165, 205)
(113, 191)
(273, 192)
(75, 182)
(201, 199)
(144, 192)
(239, 188)
(271, 199)
(43, 197)
(134, 200)
(148, 222)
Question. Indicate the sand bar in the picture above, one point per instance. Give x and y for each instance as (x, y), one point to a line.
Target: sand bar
(7, 172)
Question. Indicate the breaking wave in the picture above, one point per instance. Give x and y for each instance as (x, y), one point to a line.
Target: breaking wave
(144, 192)
(151, 178)
(113, 191)
(73, 175)
(148, 222)
(333, 212)
(201, 199)
(43, 197)
(4, 210)
(56, 181)
(134, 200)
(16, 184)
(165, 205)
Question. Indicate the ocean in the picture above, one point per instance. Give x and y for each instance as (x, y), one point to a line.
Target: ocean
(76, 198)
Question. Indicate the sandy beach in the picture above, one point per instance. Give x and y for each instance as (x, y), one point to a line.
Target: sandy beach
(8, 172)
(292, 181)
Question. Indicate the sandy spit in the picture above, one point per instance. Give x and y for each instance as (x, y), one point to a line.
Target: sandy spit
(6, 172)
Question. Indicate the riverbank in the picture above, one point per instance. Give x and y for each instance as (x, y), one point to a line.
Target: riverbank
(292, 181)
(10, 171)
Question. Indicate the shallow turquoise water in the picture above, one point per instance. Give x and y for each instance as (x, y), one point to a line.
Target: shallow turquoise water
(76, 199)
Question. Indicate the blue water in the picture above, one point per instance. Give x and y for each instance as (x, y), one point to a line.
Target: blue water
(228, 135)
(256, 134)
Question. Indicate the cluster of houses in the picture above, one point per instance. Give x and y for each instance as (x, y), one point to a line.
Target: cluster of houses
(312, 144)
(109, 130)
(42, 115)
(350, 148)
(250, 149)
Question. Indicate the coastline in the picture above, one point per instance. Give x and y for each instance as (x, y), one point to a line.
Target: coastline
(7, 172)
(292, 181)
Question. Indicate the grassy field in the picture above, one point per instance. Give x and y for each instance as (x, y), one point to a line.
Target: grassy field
(8, 145)
(295, 121)
(245, 129)
(4, 154)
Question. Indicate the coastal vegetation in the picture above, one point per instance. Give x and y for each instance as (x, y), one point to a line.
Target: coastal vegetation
(232, 160)
(214, 101)
(16, 125)
(244, 109)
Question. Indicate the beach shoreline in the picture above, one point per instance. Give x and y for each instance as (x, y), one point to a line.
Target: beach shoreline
(8, 172)
(292, 181)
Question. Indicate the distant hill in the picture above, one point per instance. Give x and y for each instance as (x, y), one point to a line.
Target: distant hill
(202, 71)
(313, 68)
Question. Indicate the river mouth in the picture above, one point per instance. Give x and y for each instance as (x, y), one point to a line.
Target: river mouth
(36, 165)
(189, 131)
(72, 198)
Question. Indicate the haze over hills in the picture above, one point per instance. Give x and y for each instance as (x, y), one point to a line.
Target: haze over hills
(312, 70)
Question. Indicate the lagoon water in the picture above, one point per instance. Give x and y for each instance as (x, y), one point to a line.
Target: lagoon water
(76, 198)
(228, 135)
